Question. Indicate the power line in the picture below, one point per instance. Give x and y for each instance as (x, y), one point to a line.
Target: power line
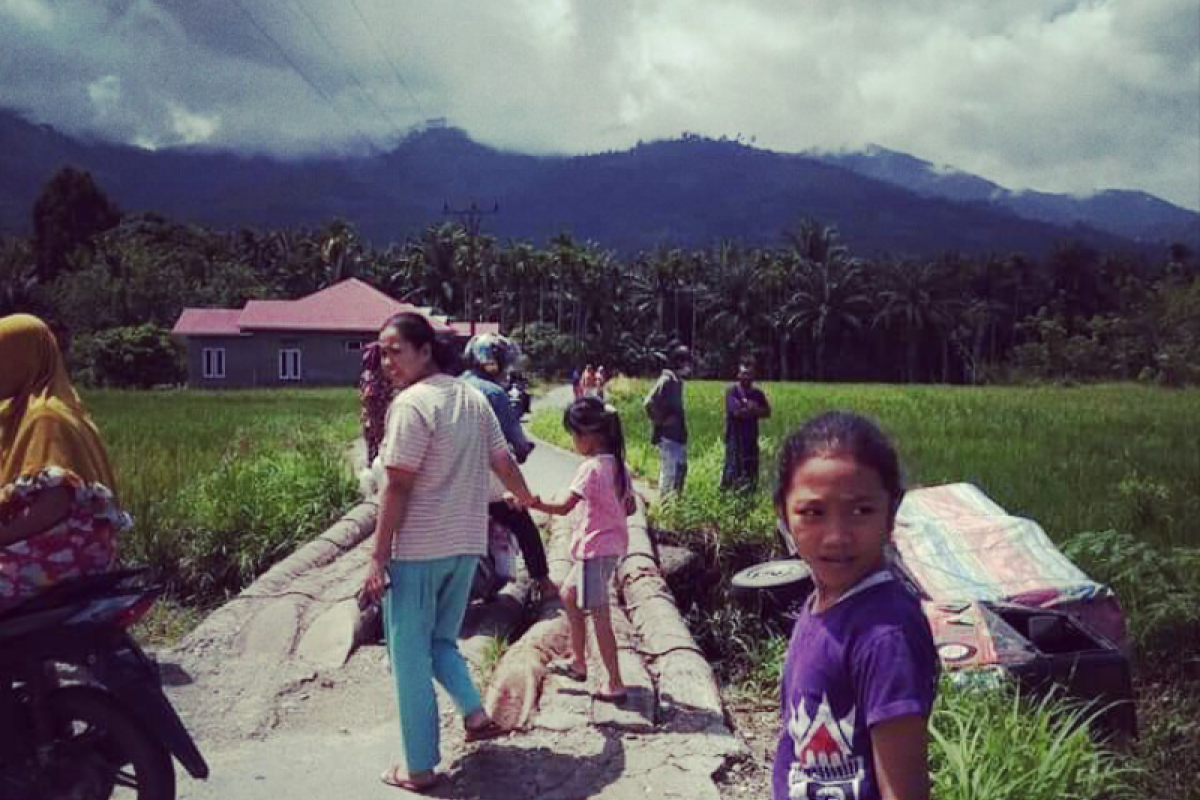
(362, 89)
(388, 59)
(311, 84)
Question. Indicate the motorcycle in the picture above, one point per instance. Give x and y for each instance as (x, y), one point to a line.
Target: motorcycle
(82, 712)
(518, 395)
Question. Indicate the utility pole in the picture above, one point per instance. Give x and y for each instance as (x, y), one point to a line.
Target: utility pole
(470, 218)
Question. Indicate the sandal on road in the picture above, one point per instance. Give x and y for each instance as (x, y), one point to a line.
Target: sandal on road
(392, 777)
(488, 730)
(567, 670)
(616, 698)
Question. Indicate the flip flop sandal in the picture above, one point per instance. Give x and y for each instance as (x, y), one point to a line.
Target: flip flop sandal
(488, 730)
(567, 670)
(391, 776)
(616, 698)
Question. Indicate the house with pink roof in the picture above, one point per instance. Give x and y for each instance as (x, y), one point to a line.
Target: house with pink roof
(311, 341)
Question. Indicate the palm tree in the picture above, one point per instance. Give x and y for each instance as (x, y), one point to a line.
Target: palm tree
(733, 300)
(826, 293)
(653, 281)
(439, 250)
(915, 302)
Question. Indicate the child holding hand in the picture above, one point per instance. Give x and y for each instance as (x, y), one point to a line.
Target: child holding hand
(861, 672)
(600, 538)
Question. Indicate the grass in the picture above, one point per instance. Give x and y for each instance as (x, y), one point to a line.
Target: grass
(999, 745)
(223, 484)
(493, 652)
(1078, 459)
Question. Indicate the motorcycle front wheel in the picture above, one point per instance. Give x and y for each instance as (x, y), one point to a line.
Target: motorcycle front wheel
(100, 752)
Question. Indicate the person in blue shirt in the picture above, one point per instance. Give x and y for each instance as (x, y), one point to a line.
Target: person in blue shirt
(488, 357)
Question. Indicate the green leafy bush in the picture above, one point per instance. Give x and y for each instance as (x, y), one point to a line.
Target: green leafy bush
(547, 351)
(1159, 589)
(141, 356)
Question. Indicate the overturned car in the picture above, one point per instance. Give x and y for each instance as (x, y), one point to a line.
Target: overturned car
(1001, 599)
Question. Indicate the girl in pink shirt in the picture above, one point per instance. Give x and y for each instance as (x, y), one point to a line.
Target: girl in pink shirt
(600, 538)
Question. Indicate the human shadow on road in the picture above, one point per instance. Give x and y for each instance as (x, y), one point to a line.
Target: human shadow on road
(680, 717)
(173, 675)
(506, 770)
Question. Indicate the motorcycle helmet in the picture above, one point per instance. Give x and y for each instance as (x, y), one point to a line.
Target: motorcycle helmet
(491, 353)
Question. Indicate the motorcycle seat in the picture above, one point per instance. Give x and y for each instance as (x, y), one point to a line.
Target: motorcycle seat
(70, 592)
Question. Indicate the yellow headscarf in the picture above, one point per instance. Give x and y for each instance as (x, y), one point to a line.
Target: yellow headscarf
(42, 421)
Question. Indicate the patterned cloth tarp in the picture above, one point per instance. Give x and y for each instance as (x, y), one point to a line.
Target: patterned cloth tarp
(958, 545)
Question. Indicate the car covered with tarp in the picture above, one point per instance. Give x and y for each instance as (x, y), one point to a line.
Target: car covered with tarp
(1001, 599)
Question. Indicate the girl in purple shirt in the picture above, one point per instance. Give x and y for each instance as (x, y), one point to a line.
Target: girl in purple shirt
(861, 671)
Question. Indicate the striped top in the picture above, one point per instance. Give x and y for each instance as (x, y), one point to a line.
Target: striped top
(444, 431)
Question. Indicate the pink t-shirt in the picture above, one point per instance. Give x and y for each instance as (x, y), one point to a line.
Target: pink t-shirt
(601, 529)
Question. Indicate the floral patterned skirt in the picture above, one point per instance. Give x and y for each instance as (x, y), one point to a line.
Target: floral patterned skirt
(81, 544)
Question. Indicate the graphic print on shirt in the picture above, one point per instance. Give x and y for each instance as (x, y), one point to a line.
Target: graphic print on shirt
(825, 767)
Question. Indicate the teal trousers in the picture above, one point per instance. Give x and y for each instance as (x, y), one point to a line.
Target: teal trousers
(422, 614)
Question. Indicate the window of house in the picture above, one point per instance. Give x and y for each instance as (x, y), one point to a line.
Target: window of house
(355, 345)
(289, 365)
(213, 362)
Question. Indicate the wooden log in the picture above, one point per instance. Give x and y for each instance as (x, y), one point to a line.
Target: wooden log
(640, 709)
(688, 694)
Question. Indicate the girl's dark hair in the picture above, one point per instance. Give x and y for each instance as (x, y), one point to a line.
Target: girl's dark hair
(415, 329)
(590, 415)
(841, 432)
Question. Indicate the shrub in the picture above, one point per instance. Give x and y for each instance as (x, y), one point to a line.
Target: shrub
(140, 356)
(548, 351)
(1159, 589)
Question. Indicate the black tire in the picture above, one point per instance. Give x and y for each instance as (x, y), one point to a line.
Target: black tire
(99, 741)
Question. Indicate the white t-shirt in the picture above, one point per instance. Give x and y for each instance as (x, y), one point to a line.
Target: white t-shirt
(444, 431)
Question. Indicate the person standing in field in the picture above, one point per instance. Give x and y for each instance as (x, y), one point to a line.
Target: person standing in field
(861, 671)
(664, 406)
(441, 444)
(745, 405)
(600, 538)
(59, 515)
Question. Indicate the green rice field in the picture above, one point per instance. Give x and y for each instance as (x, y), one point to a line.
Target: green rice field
(223, 484)
(1075, 459)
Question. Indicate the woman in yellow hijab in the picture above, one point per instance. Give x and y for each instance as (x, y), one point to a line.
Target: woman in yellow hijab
(58, 511)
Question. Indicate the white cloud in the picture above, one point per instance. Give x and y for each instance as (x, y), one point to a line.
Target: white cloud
(32, 13)
(1057, 95)
(105, 93)
(192, 128)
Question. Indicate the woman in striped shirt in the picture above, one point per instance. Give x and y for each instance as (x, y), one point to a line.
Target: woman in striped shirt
(441, 443)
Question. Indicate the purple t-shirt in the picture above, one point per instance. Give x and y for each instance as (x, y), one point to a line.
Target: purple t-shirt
(868, 659)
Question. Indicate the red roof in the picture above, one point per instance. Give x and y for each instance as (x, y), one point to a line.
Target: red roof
(208, 322)
(351, 306)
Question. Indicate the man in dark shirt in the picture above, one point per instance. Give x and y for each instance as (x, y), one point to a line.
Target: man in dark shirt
(664, 406)
(745, 405)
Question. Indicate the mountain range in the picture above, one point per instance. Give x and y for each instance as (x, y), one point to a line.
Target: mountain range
(689, 192)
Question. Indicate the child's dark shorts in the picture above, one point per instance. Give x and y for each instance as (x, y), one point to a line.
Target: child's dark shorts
(591, 578)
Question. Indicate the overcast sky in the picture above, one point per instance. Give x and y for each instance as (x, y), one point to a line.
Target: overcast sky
(1056, 95)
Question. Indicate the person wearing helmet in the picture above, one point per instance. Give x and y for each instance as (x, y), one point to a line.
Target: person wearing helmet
(488, 357)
